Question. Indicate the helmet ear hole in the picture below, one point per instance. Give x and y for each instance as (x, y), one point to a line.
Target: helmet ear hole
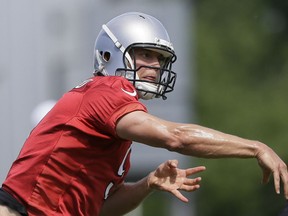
(106, 56)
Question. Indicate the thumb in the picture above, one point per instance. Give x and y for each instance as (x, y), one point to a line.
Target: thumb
(173, 163)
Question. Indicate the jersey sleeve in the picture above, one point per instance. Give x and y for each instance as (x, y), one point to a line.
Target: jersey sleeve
(119, 102)
(104, 104)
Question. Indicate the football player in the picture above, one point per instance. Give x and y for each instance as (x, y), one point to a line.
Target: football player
(75, 160)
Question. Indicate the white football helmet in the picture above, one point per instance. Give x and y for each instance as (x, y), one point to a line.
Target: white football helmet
(113, 52)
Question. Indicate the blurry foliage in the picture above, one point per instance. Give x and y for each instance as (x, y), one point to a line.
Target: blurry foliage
(242, 87)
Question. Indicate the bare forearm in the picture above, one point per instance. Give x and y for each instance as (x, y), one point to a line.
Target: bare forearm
(126, 198)
(188, 139)
(205, 142)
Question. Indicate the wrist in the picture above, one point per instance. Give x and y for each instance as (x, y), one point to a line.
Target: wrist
(260, 149)
(150, 182)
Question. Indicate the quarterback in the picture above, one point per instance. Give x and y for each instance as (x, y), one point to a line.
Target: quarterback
(75, 160)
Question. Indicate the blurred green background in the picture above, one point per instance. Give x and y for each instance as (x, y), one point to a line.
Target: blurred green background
(241, 88)
(242, 85)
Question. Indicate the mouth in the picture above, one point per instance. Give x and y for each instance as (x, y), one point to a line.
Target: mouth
(149, 78)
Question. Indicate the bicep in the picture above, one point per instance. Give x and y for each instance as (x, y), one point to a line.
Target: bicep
(142, 127)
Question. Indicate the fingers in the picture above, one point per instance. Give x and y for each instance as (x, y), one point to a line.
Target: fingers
(282, 174)
(276, 182)
(168, 177)
(189, 171)
(270, 163)
(194, 170)
(279, 174)
(266, 175)
(180, 196)
(190, 186)
(193, 182)
(285, 180)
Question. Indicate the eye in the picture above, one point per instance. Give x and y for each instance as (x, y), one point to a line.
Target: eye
(146, 54)
(161, 59)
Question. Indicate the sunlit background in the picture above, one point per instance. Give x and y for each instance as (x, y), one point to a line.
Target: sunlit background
(232, 76)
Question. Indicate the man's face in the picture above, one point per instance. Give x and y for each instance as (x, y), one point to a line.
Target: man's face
(145, 57)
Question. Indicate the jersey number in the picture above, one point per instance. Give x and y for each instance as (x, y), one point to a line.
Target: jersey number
(120, 172)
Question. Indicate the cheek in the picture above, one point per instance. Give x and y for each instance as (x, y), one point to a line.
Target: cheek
(141, 72)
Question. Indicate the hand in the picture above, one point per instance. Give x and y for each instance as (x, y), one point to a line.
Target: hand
(271, 163)
(168, 177)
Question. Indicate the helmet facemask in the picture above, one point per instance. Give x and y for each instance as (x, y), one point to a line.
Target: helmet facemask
(148, 89)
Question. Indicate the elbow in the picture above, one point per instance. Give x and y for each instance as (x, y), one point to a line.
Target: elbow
(174, 141)
(174, 146)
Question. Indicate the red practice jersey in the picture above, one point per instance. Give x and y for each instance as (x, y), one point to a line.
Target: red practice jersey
(73, 158)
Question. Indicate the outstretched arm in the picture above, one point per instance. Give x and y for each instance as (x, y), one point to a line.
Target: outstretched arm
(167, 177)
(195, 140)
